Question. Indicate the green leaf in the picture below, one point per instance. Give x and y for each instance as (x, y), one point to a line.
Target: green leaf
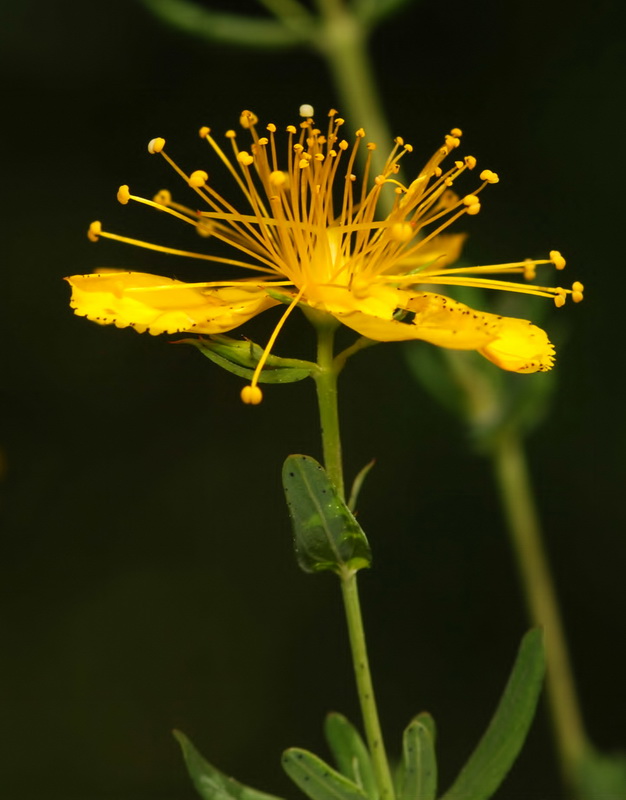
(419, 765)
(326, 534)
(210, 782)
(241, 358)
(317, 779)
(494, 755)
(351, 755)
(600, 775)
(237, 29)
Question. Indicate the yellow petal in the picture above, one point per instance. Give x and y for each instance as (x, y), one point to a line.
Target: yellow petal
(151, 303)
(441, 251)
(432, 318)
(520, 347)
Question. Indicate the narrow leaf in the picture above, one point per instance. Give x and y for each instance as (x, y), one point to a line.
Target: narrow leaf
(317, 779)
(212, 784)
(237, 29)
(496, 752)
(241, 358)
(350, 752)
(326, 534)
(419, 765)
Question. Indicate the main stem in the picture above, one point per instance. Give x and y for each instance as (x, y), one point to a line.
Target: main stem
(523, 523)
(326, 382)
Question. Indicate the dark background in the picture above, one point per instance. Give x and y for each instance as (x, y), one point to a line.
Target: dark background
(147, 577)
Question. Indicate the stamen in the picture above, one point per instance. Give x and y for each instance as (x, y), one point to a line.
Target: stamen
(254, 395)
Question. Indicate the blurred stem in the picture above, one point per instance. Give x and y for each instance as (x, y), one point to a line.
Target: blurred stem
(326, 383)
(343, 43)
(514, 481)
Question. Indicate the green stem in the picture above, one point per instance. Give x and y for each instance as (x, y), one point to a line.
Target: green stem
(523, 522)
(343, 43)
(326, 383)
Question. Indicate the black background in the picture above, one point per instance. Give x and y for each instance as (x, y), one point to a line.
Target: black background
(147, 578)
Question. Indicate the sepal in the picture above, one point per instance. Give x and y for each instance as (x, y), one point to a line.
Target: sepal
(317, 779)
(241, 357)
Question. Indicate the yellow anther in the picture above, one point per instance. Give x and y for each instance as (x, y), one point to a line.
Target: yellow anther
(204, 132)
(319, 156)
(438, 172)
(244, 158)
(163, 198)
(473, 209)
(198, 179)
(303, 163)
(559, 299)
(204, 228)
(278, 178)
(470, 199)
(248, 119)
(251, 395)
(230, 134)
(298, 148)
(489, 176)
(470, 162)
(306, 110)
(291, 129)
(452, 141)
(156, 145)
(95, 229)
(530, 269)
(408, 148)
(343, 145)
(456, 132)
(399, 140)
(380, 180)
(332, 153)
(271, 127)
(371, 145)
(401, 231)
(360, 133)
(459, 164)
(449, 182)
(123, 194)
(340, 121)
(351, 177)
(333, 112)
(577, 291)
(557, 259)
(263, 141)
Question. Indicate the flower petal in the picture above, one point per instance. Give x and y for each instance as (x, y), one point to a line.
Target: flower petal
(520, 347)
(162, 305)
(432, 318)
(512, 344)
(441, 251)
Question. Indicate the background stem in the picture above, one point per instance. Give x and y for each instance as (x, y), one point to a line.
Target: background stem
(523, 524)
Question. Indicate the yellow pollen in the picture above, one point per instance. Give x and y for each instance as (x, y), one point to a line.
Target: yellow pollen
(204, 132)
(163, 198)
(248, 119)
(340, 121)
(95, 229)
(399, 140)
(360, 133)
(371, 145)
(303, 163)
(559, 299)
(271, 127)
(489, 176)
(557, 259)
(470, 162)
(278, 178)
(156, 145)
(263, 141)
(291, 129)
(408, 148)
(577, 291)
(343, 145)
(319, 156)
(438, 172)
(456, 132)
(230, 134)
(470, 199)
(251, 395)
(123, 194)
(198, 179)
(473, 209)
(452, 142)
(244, 158)
(530, 269)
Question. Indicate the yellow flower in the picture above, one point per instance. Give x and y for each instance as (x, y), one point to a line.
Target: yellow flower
(312, 234)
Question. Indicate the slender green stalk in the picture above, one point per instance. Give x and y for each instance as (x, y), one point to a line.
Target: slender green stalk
(343, 44)
(523, 523)
(326, 382)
